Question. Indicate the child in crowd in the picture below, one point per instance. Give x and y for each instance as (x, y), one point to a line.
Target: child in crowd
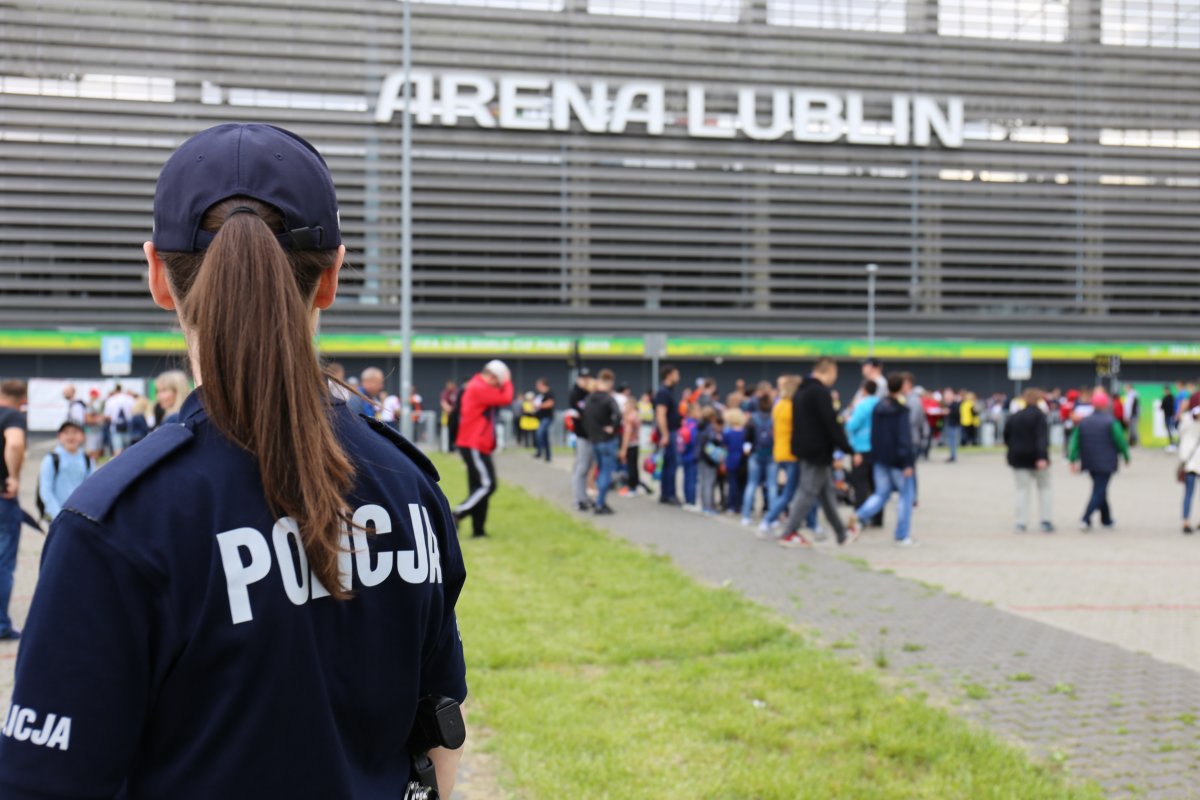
(688, 452)
(631, 421)
(63, 469)
(712, 456)
(735, 461)
(841, 482)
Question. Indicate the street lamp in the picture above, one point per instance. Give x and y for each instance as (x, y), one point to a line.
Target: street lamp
(406, 277)
(872, 271)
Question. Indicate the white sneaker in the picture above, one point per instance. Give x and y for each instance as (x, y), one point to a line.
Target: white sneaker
(909, 542)
(747, 522)
(693, 507)
(765, 531)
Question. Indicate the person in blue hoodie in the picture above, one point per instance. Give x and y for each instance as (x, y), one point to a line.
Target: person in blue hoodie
(689, 453)
(893, 452)
(63, 469)
(735, 460)
(858, 429)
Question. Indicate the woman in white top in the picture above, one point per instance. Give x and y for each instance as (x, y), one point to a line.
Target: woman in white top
(1189, 456)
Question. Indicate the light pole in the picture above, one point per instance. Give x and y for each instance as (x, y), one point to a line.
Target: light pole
(406, 367)
(872, 271)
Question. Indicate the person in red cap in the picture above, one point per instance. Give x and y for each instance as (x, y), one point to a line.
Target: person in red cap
(491, 388)
(1097, 443)
(1066, 411)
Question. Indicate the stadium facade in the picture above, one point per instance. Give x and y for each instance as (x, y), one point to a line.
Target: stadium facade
(717, 171)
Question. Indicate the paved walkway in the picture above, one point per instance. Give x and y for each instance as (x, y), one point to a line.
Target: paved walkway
(1024, 667)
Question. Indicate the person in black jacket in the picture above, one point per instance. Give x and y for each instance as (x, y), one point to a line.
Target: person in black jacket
(584, 457)
(601, 420)
(815, 435)
(1027, 436)
(893, 453)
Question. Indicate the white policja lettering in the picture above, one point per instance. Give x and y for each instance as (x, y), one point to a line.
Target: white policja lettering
(21, 725)
(422, 564)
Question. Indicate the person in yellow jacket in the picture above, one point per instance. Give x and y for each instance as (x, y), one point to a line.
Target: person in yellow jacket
(528, 423)
(785, 460)
(969, 417)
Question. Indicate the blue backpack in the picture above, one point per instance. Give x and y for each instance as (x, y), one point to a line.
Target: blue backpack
(764, 433)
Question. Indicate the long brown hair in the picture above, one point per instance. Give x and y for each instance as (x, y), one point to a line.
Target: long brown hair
(246, 301)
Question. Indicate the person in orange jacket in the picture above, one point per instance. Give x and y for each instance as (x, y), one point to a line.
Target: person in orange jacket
(490, 389)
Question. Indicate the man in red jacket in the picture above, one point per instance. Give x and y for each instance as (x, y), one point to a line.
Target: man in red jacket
(476, 441)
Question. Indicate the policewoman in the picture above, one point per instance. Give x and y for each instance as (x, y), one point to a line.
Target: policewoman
(251, 602)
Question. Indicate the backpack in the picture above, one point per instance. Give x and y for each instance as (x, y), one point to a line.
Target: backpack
(83, 411)
(41, 506)
(138, 428)
(764, 433)
(121, 423)
(715, 453)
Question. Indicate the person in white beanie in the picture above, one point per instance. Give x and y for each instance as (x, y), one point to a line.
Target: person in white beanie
(489, 389)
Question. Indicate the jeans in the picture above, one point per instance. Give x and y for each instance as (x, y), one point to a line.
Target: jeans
(1189, 491)
(689, 482)
(792, 476)
(758, 473)
(584, 460)
(888, 480)
(606, 456)
(1025, 479)
(10, 536)
(541, 439)
(1099, 500)
(707, 474)
(783, 498)
(816, 486)
(862, 480)
(953, 435)
(670, 463)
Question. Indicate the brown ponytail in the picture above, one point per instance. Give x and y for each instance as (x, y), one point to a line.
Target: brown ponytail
(246, 301)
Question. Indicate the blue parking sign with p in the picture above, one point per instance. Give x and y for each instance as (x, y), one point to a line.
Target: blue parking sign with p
(116, 355)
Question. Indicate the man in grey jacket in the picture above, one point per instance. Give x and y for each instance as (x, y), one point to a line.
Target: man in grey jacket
(921, 432)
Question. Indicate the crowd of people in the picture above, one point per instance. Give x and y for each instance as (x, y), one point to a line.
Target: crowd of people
(773, 455)
(779, 453)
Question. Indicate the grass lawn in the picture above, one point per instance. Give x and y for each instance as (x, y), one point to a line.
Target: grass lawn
(605, 672)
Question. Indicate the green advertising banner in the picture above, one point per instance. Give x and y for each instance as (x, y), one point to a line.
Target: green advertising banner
(927, 349)
(150, 342)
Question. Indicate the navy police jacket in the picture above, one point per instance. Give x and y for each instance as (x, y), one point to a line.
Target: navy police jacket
(178, 646)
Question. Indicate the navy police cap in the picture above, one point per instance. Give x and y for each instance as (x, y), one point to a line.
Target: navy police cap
(253, 160)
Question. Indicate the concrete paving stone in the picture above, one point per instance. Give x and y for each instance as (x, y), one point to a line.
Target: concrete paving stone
(1054, 607)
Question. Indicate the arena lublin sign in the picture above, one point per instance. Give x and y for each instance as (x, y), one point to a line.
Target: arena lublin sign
(538, 103)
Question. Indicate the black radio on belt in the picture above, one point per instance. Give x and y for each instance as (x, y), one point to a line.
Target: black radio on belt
(439, 723)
